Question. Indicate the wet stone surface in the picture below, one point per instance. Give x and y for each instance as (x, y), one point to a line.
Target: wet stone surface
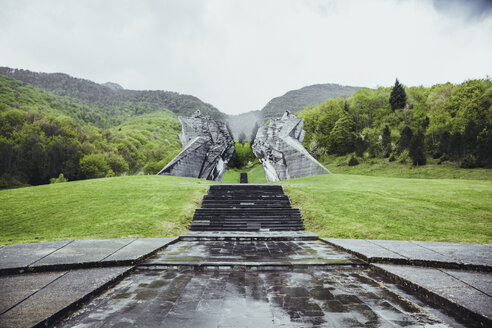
(284, 252)
(467, 289)
(249, 235)
(34, 298)
(336, 298)
(426, 251)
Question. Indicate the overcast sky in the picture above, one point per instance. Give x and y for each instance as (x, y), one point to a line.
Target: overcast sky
(237, 55)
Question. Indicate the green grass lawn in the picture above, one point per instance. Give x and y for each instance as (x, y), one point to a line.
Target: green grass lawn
(133, 206)
(255, 175)
(356, 206)
(336, 205)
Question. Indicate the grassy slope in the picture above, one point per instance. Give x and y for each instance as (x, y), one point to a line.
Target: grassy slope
(136, 206)
(354, 206)
(337, 205)
(397, 170)
(255, 175)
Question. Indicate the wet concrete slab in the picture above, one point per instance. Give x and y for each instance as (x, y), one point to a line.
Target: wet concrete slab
(69, 253)
(138, 248)
(472, 256)
(363, 248)
(16, 288)
(248, 235)
(84, 251)
(251, 253)
(466, 293)
(23, 255)
(467, 254)
(50, 294)
(157, 298)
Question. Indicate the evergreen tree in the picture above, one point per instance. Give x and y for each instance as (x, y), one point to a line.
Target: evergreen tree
(405, 138)
(417, 149)
(398, 96)
(386, 141)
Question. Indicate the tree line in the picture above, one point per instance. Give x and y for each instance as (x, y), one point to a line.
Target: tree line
(43, 139)
(447, 122)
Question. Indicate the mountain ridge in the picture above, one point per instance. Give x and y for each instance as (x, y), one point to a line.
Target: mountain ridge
(296, 100)
(117, 102)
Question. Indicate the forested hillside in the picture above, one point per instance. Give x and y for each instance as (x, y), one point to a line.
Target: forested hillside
(43, 136)
(445, 122)
(296, 100)
(109, 104)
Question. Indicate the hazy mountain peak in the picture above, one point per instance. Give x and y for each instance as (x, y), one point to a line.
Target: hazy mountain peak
(113, 86)
(296, 100)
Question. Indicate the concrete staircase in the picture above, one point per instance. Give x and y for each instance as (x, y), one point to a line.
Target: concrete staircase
(246, 208)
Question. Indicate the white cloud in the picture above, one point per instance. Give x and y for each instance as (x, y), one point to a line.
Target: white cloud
(237, 55)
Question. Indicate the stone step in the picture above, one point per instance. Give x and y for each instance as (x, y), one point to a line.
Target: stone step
(240, 195)
(242, 218)
(256, 227)
(272, 197)
(246, 191)
(245, 204)
(226, 223)
(246, 208)
(238, 223)
(250, 219)
(258, 202)
(245, 229)
(249, 211)
(255, 187)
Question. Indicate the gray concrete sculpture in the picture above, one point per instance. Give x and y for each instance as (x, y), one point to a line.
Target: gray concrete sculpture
(278, 146)
(207, 148)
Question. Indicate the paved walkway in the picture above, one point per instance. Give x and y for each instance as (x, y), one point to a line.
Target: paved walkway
(270, 280)
(245, 276)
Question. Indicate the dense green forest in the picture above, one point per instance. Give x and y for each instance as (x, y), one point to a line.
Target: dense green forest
(445, 122)
(43, 136)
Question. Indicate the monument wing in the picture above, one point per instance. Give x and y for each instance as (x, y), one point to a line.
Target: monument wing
(278, 146)
(207, 148)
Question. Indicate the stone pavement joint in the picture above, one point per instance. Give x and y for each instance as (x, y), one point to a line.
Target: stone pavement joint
(74, 254)
(463, 293)
(248, 235)
(52, 295)
(476, 257)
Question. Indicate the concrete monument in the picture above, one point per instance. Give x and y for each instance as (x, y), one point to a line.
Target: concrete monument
(278, 146)
(207, 148)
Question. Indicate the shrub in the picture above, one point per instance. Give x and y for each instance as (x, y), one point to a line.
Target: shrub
(392, 157)
(60, 178)
(403, 157)
(469, 162)
(353, 161)
(443, 158)
(94, 166)
(152, 167)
